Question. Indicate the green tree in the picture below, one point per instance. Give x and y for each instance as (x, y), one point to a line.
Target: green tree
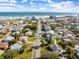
(50, 40)
(64, 44)
(9, 54)
(71, 54)
(73, 43)
(44, 41)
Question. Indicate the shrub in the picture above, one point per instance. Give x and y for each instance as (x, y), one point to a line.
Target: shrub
(9, 54)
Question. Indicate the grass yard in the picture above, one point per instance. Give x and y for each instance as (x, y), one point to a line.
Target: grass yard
(56, 33)
(44, 48)
(31, 39)
(1, 35)
(27, 54)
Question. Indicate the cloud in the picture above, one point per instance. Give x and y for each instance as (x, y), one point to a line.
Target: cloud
(7, 4)
(24, 1)
(50, 1)
(11, 7)
(31, 3)
(62, 6)
(42, 8)
(66, 6)
(13, 1)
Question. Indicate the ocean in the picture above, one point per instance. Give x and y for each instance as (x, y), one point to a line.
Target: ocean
(35, 13)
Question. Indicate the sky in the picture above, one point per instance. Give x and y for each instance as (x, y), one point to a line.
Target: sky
(39, 6)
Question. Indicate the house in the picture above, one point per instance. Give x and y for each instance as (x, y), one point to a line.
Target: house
(1, 27)
(66, 31)
(15, 32)
(60, 33)
(28, 33)
(54, 48)
(33, 21)
(47, 28)
(16, 46)
(51, 32)
(8, 39)
(21, 22)
(77, 54)
(67, 39)
(46, 35)
(76, 47)
(24, 38)
(62, 30)
(27, 29)
(4, 45)
(77, 51)
(61, 52)
(15, 28)
(58, 29)
(59, 36)
(70, 36)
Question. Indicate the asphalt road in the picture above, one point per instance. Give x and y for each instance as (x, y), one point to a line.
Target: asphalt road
(37, 43)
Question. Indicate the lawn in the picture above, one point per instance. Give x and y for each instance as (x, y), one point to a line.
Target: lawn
(1, 35)
(31, 39)
(56, 33)
(47, 54)
(44, 48)
(27, 54)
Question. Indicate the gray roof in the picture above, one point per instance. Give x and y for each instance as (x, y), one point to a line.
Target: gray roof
(28, 33)
(77, 54)
(67, 39)
(1, 26)
(23, 38)
(8, 38)
(47, 28)
(16, 46)
(68, 36)
(51, 32)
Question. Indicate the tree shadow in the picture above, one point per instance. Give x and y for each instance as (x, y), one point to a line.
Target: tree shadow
(29, 50)
(48, 48)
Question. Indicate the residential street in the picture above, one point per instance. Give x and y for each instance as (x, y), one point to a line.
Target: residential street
(37, 43)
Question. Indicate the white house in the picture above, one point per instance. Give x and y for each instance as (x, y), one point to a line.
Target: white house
(8, 38)
(1, 27)
(28, 33)
(16, 46)
(54, 48)
(51, 32)
(60, 33)
(76, 47)
(24, 38)
(47, 28)
(67, 40)
(70, 36)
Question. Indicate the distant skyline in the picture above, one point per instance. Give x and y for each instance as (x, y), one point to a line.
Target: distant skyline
(39, 6)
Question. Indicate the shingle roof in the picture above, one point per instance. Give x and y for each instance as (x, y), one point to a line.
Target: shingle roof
(8, 38)
(16, 46)
(4, 45)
